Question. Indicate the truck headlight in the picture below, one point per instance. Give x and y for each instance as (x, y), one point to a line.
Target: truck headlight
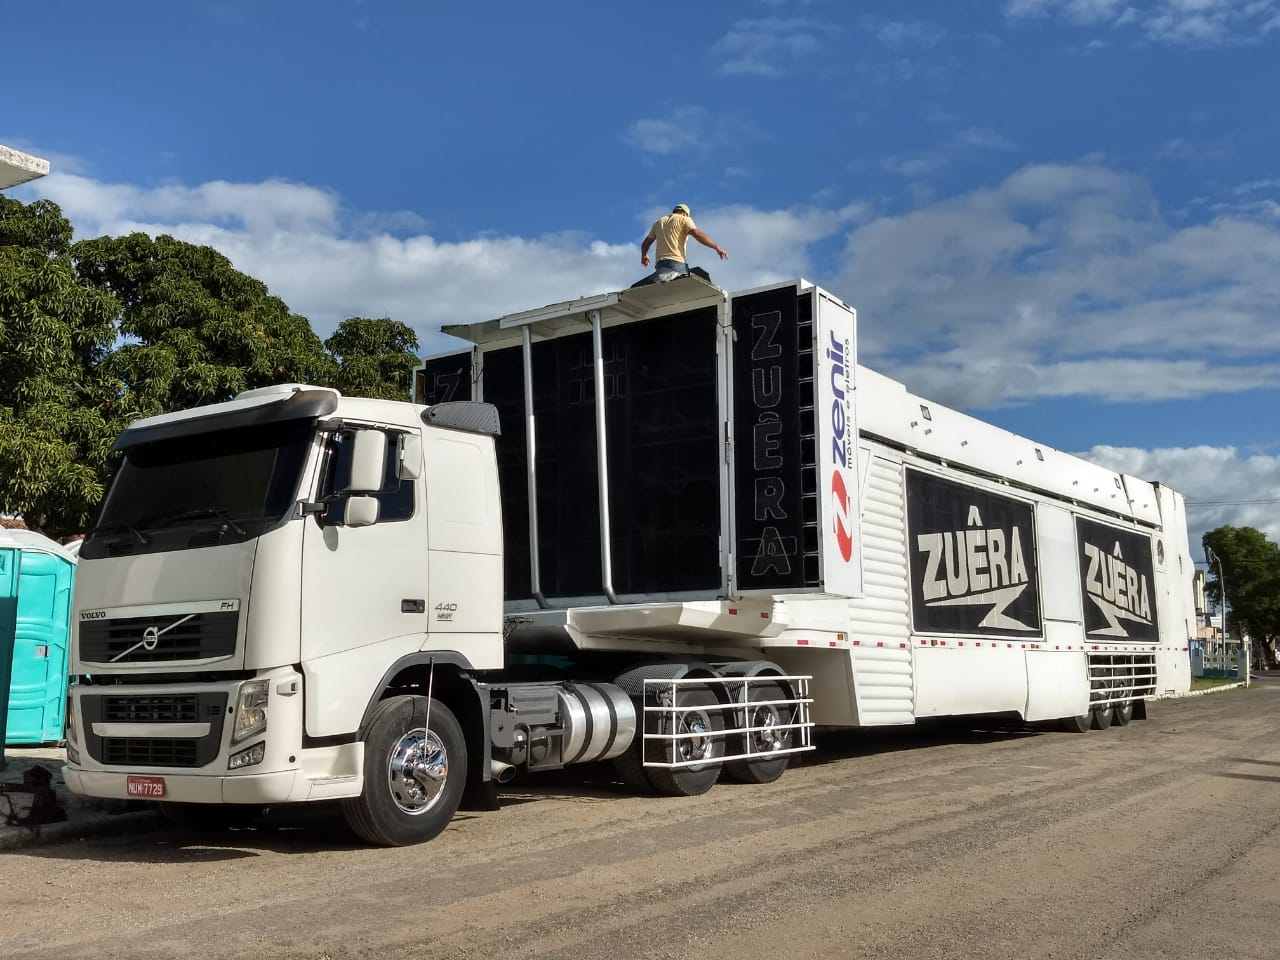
(251, 710)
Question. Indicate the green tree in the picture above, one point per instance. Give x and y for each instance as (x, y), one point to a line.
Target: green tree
(195, 329)
(1250, 565)
(375, 357)
(57, 410)
(99, 332)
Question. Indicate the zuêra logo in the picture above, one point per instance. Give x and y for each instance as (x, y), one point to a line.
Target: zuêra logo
(1119, 591)
(976, 566)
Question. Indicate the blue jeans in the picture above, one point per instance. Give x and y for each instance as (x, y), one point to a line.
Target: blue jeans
(675, 265)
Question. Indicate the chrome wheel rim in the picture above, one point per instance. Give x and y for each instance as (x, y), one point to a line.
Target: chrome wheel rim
(770, 738)
(417, 770)
(699, 747)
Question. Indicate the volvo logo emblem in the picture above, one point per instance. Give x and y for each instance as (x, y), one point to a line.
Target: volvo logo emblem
(151, 638)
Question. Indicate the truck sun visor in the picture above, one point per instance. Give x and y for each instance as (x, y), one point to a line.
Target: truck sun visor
(293, 406)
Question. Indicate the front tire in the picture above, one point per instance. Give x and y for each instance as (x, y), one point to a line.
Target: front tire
(414, 775)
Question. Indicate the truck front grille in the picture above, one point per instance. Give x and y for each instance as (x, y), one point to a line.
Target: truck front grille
(151, 711)
(162, 708)
(158, 639)
(149, 752)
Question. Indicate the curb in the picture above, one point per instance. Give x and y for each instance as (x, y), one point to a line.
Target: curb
(101, 824)
(1201, 693)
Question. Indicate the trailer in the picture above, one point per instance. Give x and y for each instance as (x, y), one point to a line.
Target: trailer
(670, 528)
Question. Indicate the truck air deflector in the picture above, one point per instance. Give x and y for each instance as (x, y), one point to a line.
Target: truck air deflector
(247, 411)
(681, 295)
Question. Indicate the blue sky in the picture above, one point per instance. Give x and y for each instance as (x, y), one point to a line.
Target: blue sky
(1062, 216)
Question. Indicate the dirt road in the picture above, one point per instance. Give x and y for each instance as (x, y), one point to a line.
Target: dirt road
(1155, 840)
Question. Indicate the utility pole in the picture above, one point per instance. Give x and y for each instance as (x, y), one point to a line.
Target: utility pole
(1213, 558)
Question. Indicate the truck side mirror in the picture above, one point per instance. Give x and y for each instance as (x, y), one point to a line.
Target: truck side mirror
(409, 456)
(360, 511)
(368, 458)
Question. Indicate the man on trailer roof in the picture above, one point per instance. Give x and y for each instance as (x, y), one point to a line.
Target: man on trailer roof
(672, 232)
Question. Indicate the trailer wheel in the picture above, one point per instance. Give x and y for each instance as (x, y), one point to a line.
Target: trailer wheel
(764, 741)
(210, 817)
(1101, 716)
(413, 776)
(699, 740)
(1122, 713)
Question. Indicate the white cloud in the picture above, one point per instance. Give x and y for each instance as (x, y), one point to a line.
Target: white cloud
(328, 264)
(1065, 281)
(1246, 202)
(1185, 22)
(967, 141)
(1193, 151)
(688, 129)
(772, 46)
(680, 132)
(916, 165)
(1059, 281)
(1254, 186)
(905, 34)
(1221, 485)
(984, 138)
(905, 51)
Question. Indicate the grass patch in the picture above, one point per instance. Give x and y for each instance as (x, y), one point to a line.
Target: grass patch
(1209, 683)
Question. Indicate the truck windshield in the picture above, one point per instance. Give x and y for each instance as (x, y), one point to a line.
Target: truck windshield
(200, 490)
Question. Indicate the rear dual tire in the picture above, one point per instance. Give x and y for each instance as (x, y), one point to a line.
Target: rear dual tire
(698, 724)
(776, 735)
(696, 717)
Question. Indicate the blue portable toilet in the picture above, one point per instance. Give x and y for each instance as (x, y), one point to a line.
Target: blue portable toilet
(8, 621)
(35, 626)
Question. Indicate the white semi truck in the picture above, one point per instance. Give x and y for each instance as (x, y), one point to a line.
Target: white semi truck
(668, 527)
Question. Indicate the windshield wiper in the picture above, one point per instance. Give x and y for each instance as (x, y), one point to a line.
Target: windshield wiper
(121, 528)
(164, 520)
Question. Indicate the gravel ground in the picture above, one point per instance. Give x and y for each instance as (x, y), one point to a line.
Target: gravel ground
(1158, 839)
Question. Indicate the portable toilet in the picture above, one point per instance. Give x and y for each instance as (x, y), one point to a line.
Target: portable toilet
(35, 631)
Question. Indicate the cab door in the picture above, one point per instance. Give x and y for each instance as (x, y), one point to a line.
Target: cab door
(465, 555)
(364, 588)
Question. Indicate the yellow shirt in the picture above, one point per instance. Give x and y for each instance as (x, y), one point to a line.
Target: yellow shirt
(671, 232)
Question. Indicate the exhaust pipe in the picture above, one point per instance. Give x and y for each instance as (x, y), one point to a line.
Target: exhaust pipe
(501, 772)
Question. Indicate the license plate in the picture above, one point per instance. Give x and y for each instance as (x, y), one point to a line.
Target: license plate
(152, 788)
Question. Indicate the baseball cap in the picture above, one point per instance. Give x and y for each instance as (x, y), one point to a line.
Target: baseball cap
(681, 208)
